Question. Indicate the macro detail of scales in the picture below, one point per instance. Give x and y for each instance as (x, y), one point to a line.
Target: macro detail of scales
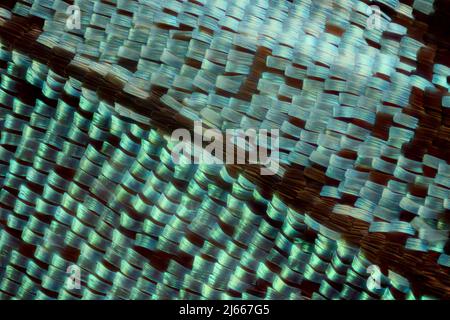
(358, 210)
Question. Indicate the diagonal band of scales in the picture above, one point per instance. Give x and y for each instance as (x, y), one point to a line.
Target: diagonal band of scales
(299, 188)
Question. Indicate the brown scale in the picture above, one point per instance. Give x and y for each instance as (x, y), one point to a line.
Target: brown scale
(340, 223)
(249, 87)
(293, 82)
(415, 150)
(315, 173)
(382, 124)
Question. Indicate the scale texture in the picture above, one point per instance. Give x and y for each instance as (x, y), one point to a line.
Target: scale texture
(93, 206)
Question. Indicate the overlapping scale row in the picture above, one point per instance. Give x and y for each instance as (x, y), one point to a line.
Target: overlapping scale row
(88, 180)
